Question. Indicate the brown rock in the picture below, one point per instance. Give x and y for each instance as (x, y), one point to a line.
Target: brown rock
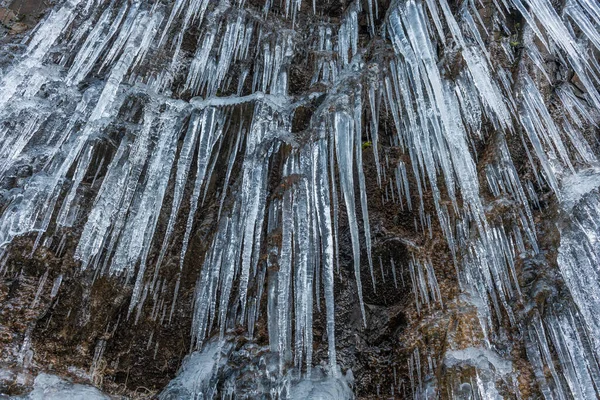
(7, 16)
(17, 28)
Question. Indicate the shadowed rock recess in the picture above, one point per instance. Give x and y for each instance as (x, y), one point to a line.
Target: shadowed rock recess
(299, 199)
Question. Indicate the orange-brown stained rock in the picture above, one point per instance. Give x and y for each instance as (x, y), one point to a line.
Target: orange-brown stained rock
(18, 27)
(7, 16)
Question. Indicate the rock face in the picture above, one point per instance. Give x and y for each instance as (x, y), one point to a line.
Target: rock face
(295, 199)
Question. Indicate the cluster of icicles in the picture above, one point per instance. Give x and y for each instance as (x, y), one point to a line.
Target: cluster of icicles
(95, 106)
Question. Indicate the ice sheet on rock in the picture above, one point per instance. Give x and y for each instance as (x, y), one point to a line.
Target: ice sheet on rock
(578, 254)
(490, 368)
(197, 377)
(576, 186)
(337, 387)
(51, 387)
(481, 357)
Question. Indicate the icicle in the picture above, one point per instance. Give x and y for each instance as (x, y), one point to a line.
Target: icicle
(40, 288)
(344, 143)
(323, 204)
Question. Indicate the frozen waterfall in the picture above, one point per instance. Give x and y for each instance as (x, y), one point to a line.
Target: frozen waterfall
(247, 143)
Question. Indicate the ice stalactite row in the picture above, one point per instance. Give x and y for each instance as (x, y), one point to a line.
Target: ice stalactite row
(489, 250)
(560, 349)
(438, 141)
(424, 283)
(572, 328)
(137, 136)
(489, 263)
(121, 119)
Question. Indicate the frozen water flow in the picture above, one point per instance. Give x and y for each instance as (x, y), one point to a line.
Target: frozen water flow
(152, 131)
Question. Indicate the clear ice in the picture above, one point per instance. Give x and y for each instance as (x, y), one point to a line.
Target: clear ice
(120, 124)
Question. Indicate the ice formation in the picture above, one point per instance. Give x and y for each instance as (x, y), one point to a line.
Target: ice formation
(50, 387)
(119, 122)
